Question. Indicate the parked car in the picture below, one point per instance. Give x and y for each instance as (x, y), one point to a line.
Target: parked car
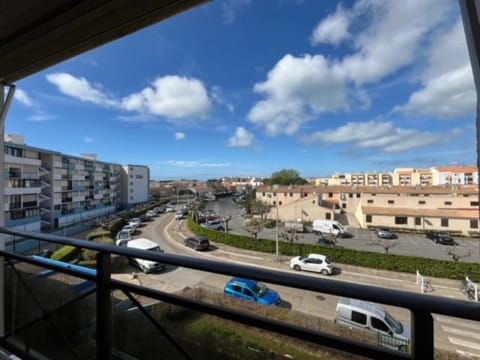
(123, 236)
(179, 215)
(441, 238)
(198, 242)
(312, 262)
(170, 209)
(131, 229)
(385, 233)
(135, 222)
(150, 214)
(216, 224)
(251, 290)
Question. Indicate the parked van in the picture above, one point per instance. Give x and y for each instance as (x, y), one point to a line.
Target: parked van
(328, 227)
(369, 316)
(145, 265)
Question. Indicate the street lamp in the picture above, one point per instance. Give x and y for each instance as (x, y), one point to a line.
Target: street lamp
(275, 188)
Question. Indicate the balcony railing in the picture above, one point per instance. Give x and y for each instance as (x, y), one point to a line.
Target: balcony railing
(421, 307)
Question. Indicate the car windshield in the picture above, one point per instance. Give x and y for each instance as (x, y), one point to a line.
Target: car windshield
(394, 324)
(156, 249)
(327, 261)
(260, 289)
(303, 257)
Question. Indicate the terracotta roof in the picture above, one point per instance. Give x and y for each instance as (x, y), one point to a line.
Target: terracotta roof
(457, 169)
(440, 213)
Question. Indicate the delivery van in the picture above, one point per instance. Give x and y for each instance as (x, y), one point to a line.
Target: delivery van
(328, 227)
(370, 316)
(146, 266)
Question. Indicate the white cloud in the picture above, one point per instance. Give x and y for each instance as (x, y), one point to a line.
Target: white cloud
(219, 97)
(297, 88)
(383, 136)
(41, 117)
(23, 97)
(392, 38)
(386, 37)
(88, 139)
(81, 89)
(231, 8)
(333, 29)
(195, 164)
(447, 86)
(173, 97)
(242, 138)
(179, 136)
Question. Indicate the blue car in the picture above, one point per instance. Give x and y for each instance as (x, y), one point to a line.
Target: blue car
(252, 290)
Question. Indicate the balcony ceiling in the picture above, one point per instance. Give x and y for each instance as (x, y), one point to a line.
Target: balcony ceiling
(36, 34)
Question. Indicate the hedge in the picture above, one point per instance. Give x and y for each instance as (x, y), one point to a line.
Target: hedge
(399, 263)
(66, 253)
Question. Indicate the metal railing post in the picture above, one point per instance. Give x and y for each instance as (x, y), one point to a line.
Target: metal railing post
(422, 335)
(104, 307)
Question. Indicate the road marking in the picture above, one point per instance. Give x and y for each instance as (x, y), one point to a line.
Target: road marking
(461, 332)
(462, 323)
(464, 343)
(468, 354)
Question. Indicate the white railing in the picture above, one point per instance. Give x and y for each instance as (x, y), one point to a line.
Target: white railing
(425, 284)
(470, 289)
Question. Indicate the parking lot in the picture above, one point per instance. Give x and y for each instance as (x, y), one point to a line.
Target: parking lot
(362, 239)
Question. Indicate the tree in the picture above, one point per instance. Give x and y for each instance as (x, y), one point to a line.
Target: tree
(254, 226)
(196, 207)
(286, 177)
(254, 206)
(385, 244)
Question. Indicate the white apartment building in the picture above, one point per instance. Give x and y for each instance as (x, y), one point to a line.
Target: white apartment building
(135, 182)
(456, 175)
(46, 190)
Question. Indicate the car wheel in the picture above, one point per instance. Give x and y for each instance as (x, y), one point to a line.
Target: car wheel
(195, 248)
(324, 272)
(296, 268)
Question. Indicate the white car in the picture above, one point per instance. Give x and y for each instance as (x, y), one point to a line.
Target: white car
(130, 229)
(135, 222)
(312, 262)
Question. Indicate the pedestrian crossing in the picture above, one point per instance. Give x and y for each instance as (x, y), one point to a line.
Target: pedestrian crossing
(463, 335)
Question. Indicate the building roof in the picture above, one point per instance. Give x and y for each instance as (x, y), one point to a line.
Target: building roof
(37, 34)
(438, 213)
(457, 169)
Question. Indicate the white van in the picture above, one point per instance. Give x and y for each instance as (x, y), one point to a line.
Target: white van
(373, 317)
(145, 265)
(328, 227)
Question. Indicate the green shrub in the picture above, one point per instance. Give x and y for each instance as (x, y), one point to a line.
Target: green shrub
(88, 263)
(66, 253)
(399, 263)
(96, 234)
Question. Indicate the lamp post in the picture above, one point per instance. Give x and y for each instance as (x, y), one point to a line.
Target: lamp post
(275, 188)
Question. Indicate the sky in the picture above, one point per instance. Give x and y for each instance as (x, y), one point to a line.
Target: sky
(247, 88)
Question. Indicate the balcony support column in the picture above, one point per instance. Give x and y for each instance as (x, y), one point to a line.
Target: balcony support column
(422, 336)
(104, 307)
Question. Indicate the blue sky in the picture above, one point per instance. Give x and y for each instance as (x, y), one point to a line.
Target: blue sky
(241, 87)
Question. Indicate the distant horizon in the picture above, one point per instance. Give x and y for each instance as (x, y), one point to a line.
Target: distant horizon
(227, 88)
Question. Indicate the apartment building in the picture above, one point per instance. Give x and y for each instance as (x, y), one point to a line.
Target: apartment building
(46, 190)
(361, 179)
(240, 182)
(458, 175)
(449, 208)
(135, 185)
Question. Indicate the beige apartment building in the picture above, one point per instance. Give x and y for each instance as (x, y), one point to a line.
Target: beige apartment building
(437, 175)
(445, 208)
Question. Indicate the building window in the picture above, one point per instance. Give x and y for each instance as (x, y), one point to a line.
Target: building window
(344, 205)
(305, 194)
(284, 194)
(291, 194)
(370, 201)
(139, 176)
(473, 203)
(328, 216)
(474, 224)
(131, 197)
(444, 222)
(330, 194)
(401, 220)
(418, 221)
(374, 194)
(263, 194)
(447, 203)
(421, 202)
(350, 195)
(274, 203)
(391, 201)
(358, 195)
(368, 218)
(279, 203)
(313, 202)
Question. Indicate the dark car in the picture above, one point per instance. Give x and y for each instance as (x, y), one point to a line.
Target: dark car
(198, 242)
(251, 290)
(441, 238)
(385, 233)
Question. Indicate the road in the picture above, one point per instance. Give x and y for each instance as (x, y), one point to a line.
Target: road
(450, 333)
(408, 244)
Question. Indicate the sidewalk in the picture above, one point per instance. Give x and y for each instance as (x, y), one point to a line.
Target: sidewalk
(349, 273)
